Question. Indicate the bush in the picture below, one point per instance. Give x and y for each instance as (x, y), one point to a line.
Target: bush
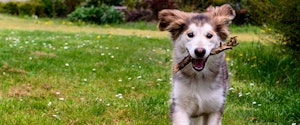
(11, 8)
(23, 8)
(59, 8)
(97, 3)
(146, 9)
(98, 15)
(282, 16)
(287, 16)
(139, 15)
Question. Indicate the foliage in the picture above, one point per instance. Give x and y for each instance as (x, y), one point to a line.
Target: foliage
(23, 8)
(96, 3)
(11, 8)
(139, 15)
(59, 8)
(98, 15)
(157, 5)
(41, 8)
(287, 24)
(283, 16)
(146, 9)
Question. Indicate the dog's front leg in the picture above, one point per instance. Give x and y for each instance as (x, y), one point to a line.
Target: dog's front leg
(179, 116)
(211, 119)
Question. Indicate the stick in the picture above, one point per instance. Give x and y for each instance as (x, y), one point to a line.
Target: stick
(229, 45)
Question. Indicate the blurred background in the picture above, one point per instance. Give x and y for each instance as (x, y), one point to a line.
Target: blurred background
(281, 15)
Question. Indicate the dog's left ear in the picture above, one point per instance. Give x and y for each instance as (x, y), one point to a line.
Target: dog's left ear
(223, 16)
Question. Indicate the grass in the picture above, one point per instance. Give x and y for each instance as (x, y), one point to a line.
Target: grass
(55, 77)
(61, 78)
(265, 85)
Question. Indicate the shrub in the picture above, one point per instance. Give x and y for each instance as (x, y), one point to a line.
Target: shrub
(138, 15)
(11, 8)
(26, 8)
(97, 3)
(282, 16)
(59, 8)
(98, 15)
(146, 9)
(158, 5)
(285, 20)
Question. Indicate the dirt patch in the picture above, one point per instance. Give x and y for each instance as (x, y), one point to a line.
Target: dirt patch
(9, 69)
(39, 54)
(40, 90)
(20, 90)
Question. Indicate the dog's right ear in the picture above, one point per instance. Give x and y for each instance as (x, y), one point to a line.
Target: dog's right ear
(172, 21)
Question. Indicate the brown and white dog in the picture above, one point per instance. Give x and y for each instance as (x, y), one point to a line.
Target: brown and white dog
(199, 89)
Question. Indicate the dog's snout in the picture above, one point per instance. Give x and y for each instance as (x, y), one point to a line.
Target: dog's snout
(200, 52)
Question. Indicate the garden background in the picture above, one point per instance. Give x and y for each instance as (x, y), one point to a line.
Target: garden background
(105, 62)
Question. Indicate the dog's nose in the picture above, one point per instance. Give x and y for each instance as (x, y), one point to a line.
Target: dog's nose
(200, 52)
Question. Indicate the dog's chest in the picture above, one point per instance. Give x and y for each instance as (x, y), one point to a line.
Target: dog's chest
(199, 96)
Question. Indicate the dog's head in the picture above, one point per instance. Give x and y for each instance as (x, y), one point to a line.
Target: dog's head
(198, 33)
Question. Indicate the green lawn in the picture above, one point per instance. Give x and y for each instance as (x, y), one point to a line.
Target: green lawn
(54, 77)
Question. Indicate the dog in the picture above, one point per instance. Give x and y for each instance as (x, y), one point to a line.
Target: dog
(199, 89)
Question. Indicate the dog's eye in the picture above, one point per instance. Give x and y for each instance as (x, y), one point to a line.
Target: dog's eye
(208, 35)
(190, 35)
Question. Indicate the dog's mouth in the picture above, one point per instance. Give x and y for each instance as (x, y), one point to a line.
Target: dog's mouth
(199, 64)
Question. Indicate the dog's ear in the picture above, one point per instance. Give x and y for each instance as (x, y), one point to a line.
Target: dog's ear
(172, 21)
(223, 16)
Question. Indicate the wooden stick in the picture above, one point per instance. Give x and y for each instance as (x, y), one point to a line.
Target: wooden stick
(229, 45)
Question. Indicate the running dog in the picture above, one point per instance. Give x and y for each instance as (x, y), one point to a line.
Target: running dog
(199, 89)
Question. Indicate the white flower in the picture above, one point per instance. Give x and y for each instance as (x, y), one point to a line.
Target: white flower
(94, 69)
(254, 103)
(139, 77)
(120, 80)
(67, 65)
(61, 99)
(49, 103)
(57, 93)
(258, 104)
(240, 94)
(84, 79)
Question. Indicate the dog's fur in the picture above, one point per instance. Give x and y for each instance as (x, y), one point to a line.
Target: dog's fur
(199, 89)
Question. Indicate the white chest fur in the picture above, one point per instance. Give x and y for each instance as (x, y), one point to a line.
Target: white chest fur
(198, 96)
